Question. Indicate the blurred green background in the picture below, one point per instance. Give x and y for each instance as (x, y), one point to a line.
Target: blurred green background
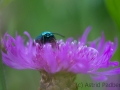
(66, 17)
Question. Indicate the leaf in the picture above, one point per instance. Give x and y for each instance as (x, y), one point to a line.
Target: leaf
(114, 9)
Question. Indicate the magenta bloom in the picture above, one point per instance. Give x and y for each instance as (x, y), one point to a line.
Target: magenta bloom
(70, 56)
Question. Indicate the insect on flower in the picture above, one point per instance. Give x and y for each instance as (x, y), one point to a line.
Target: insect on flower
(46, 37)
(71, 56)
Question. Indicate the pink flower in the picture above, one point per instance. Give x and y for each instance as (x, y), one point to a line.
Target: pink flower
(70, 56)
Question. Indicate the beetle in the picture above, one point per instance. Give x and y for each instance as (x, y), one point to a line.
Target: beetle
(46, 37)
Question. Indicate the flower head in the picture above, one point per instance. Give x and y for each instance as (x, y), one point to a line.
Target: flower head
(70, 56)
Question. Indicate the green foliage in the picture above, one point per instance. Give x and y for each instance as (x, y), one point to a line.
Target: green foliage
(4, 3)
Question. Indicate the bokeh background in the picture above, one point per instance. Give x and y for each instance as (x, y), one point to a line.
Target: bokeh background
(66, 17)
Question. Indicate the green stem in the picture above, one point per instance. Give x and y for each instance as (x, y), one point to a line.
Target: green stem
(2, 76)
